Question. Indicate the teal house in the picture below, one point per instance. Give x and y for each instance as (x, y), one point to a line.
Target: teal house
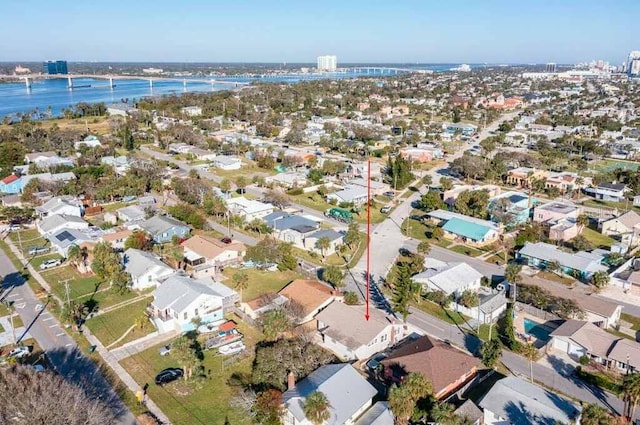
(462, 228)
(162, 228)
(511, 208)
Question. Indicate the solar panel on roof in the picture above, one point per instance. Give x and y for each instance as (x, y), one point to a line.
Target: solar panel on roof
(65, 236)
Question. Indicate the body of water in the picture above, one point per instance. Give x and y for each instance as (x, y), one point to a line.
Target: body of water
(51, 96)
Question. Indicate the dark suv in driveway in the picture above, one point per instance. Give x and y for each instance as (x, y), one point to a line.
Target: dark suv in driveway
(168, 375)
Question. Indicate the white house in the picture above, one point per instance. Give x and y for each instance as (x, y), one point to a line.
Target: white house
(132, 214)
(207, 255)
(227, 163)
(145, 268)
(180, 300)
(53, 223)
(89, 141)
(343, 330)
(249, 209)
(60, 205)
(192, 111)
(454, 278)
(356, 195)
(64, 239)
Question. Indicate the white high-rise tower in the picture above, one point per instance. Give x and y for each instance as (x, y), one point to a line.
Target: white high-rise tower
(633, 63)
(327, 63)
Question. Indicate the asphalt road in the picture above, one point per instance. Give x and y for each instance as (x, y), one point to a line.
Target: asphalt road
(60, 348)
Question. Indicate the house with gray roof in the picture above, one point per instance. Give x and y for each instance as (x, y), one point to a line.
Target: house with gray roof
(335, 239)
(515, 401)
(292, 228)
(53, 223)
(582, 264)
(145, 268)
(348, 393)
(454, 278)
(356, 195)
(131, 214)
(180, 299)
(66, 205)
(379, 414)
(162, 228)
(65, 238)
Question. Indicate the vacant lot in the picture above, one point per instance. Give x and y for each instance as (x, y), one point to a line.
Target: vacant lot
(261, 282)
(110, 326)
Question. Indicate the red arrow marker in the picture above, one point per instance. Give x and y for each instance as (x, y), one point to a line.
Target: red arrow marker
(368, 276)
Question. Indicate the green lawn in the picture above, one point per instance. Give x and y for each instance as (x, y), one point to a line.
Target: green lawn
(597, 239)
(435, 310)
(312, 200)
(204, 401)
(635, 321)
(565, 280)
(110, 326)
(25, 236)
(466, 250)
(36, 261)
(262, 282)
(610, 165)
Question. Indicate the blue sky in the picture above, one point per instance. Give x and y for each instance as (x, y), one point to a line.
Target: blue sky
(493, 31)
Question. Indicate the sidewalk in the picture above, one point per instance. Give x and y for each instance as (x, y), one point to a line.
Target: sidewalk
(134, 347)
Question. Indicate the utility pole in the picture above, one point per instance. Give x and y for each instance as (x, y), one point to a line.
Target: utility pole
(9, 305)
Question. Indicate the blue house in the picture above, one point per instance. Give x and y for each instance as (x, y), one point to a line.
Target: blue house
(11, 184)
(162, 228)
(511, 208)
(470, 230)
(581, 265)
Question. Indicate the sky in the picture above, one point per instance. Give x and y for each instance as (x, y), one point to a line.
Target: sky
(392, 31)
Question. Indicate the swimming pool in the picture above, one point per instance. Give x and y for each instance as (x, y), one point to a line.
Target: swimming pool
(537, 330)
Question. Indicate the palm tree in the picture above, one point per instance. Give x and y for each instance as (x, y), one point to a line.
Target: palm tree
(403, 398)
(631, 391)
(600, 279)
(74, 255)
(553, 266)
(316, 407)
(424, 248)
(592, 414)
(323, 244)
(583, 221)
(241, 281)
(177, 255)
(530, 352)
(443, 413)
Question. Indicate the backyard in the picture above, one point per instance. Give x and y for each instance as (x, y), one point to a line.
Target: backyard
(597, 239)
(261, 282)
(205, 400)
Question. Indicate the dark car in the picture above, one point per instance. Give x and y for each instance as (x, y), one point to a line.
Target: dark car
(168, 375)
(226, 240)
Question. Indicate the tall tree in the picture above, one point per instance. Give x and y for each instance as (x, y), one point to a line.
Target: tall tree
(240, 280)
(241, 183)
(403, 398)
(334, 276)
(530, 352)
(593, 414)
(631, 392)
(352, 236)
(600, 279)
(405, 291)
(323, 244)
(398, 172)
(316, 407)
(424, 248)
(185, 351)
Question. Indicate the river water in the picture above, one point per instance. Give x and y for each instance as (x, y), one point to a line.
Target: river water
(52, 96)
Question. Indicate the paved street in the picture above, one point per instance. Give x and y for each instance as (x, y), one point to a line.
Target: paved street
(60, 348)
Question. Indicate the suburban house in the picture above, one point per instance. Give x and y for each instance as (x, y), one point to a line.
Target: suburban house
(419, 154)
(121, 109)
(249, 209)
(377, 188)
(580, 338)
(626, 227)
(473, 231)
(361, 338)
(120, 163)
(180, 300)
(145, 268)
(563, 181)
(471, 411)
(449, 369)
(614, 192)
(289, 179)
(89, 142)
(523, 176)
(512, 208)
(449, 196)
(379, 414)
(131, 214)
(580, 264)
(601, 312)
(14, 184)
(65, 238)
(453, 278)
(53, 223)
(11, 184)
(291, 228)
(208, 255)
(514, 401)
(351, 194)
(61, 206)
(227, 163)
(46, 160)
(191, 111)
(162, 228)
(203, 154)
(348, 393)
(116, 238)
(335, 240)
(310, 295)
(559, 219)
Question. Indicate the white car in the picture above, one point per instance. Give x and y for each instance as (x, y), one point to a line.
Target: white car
(19, 352)
(50, 263)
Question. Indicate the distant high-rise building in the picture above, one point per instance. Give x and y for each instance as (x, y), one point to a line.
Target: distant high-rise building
(55, 67)
(633, 63)
(550, 67)
(327, 63)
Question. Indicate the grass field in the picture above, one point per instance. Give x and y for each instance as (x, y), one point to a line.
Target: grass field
(565, 280)
(607, 165)
(96, 125)
(635, 321)
(466, 250)
(110, 326)
(435, 310)
(597, 239)
(261, 282)
(204, 401)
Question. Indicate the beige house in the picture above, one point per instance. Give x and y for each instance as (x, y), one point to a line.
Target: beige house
(208, 255)
(626, 227)
(522, 176)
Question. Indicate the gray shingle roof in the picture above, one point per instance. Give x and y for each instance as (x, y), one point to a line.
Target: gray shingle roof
(521, 402)
(582, 260)
(137, 262)
(346, 390)
(177, 292)
(160, 224)
(53, 221)
(378, 414)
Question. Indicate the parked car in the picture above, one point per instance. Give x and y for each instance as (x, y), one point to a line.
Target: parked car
(50, 263)
(385, 210)
(20, 352)
(15, 227)
(374, 362)
(226, 240)
(38, 250)
(165, 350)
(168, 375)
(390, 194)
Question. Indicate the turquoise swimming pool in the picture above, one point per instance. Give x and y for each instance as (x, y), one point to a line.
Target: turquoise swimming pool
(537, 330)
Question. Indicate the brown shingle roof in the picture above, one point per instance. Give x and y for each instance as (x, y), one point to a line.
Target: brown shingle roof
(310, 294)
(437, 361)
(210, 247)
(346, 324)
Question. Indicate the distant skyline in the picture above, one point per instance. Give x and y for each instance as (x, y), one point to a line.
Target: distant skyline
(408, 31)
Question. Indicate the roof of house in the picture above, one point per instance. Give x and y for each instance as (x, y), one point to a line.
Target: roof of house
(226, 160)
(178, 292)
(55, 204)
(209, 247)
(346, 390)
(220, 289)
(626, 351)
(132, 212)
(612, 186)
(52, 222)
(249, 206)
(449, 215)
(160, 224)
(469, 410)
(466, 229)
(120, 234)
(10, 179)
(630, 219)
(349, 194)
(359, 332)
(437, 361)
(138, 262)
(283, 221)
(585, 261)
(66, 237)
(310, 294)
(450, 278)
(521, 402)
(378, 414)
(331, 234)
(587, 335)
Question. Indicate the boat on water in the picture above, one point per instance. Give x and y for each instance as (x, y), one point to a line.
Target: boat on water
(230, 349)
